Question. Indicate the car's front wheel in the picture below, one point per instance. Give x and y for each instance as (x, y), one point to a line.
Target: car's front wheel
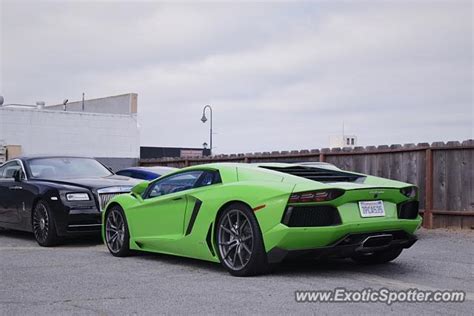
(117, 236)
(239, 241)
(378, 257)
(44, 227)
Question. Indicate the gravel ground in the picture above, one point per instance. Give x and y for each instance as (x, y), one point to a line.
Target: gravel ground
(83, 278)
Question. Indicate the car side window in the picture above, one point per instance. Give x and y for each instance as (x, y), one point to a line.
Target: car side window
(8, 169)
(175, 183)
(208, 178)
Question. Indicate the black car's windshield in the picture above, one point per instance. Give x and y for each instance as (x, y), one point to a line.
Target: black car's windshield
(65, 168)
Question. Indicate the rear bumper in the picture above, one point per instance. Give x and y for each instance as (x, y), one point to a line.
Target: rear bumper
(349, 245)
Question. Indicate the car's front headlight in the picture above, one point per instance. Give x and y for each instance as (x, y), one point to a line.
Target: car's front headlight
(77, 197)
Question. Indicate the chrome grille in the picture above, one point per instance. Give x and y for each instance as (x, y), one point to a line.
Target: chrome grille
(104, 199)
(106, 194)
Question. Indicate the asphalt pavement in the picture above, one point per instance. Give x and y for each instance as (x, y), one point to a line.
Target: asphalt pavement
(81, 277)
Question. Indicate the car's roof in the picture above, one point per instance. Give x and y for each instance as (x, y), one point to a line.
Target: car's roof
(150, 169)
(219, 165)
(30, 157)
(24, 159)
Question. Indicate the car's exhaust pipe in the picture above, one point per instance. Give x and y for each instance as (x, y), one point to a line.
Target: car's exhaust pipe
(375, 242)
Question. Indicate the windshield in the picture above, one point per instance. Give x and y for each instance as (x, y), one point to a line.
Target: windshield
(64, 168)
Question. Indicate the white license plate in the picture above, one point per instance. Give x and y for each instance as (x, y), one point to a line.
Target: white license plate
(371, 208)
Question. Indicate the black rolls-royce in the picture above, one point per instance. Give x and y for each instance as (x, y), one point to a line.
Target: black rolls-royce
(57, 196)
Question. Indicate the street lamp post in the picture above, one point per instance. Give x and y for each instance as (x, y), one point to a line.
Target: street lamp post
(204, 119)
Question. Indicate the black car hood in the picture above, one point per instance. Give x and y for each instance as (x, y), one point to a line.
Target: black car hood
(96, 183)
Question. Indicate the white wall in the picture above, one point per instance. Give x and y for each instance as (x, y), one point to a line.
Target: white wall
(70, 133)
(117, 104)
(341, 141)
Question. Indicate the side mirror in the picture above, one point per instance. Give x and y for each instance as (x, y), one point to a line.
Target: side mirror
(18, 175)
(140, 188)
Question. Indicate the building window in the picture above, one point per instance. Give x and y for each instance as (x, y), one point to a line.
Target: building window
(352, 141)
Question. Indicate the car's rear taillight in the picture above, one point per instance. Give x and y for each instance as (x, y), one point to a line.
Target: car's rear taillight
(315, 196)
(410, 192)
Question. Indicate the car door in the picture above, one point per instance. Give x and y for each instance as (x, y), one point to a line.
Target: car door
(9, 196)
(160, 218)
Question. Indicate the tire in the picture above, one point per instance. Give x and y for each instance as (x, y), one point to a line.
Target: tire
(378, 257)
(117, 236)
(44, 225)
(239, 241)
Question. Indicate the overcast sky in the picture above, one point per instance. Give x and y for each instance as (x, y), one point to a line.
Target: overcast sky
(279, 76)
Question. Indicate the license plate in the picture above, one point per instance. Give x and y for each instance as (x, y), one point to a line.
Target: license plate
(371, 208)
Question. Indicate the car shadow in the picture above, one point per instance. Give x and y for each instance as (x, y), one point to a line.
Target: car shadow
(17, 234)
(332, 267)
(306, 266)
(294, 268)
(194, 264)
(82, 241)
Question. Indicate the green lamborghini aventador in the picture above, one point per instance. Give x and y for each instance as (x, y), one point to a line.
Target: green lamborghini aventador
(251, 216)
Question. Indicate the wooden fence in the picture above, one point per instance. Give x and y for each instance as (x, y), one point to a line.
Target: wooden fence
(443, 172)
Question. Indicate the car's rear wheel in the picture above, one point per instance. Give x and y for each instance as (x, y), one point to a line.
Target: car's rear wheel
(117, 237)
(239, 241)
(44, 227)
(378, 257)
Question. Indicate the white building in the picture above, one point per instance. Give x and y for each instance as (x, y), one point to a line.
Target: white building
(107, 130)
(342, 141)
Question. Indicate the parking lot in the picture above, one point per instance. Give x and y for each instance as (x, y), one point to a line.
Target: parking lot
(83, 278)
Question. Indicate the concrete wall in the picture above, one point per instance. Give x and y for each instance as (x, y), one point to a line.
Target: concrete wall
(119, 104)
(71, 133)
